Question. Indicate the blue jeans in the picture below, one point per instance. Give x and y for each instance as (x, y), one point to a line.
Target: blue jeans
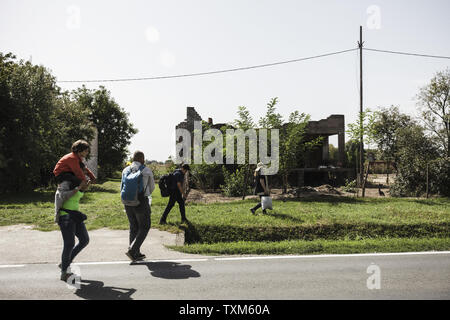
(70, 229)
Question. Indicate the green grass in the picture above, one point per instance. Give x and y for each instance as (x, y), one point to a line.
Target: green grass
(312, 225)
(319, 246)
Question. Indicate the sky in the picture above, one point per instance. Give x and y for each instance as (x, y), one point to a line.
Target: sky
(86, 40)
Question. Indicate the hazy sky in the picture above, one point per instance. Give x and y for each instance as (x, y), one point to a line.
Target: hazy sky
(82, 40)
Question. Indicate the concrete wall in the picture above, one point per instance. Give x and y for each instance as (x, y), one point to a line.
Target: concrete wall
(92, 163)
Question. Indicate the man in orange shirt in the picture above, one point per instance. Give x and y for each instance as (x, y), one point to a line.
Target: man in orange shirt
(71, 167)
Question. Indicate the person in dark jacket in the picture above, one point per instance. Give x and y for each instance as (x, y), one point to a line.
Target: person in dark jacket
(261, 186)
(178, 193)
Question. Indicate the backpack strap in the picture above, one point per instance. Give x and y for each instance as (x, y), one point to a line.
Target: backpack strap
(141, 168)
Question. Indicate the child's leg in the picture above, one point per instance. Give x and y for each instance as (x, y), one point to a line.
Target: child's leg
(69, 176)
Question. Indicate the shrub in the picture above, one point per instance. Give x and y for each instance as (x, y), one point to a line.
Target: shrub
(206, 176)
(439, 172)
(234, 183)
(349, 186)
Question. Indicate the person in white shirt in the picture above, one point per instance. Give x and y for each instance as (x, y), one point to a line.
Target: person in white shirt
(139, 216)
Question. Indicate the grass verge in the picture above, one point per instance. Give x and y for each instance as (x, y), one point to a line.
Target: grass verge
(307, 225)
(319, 246)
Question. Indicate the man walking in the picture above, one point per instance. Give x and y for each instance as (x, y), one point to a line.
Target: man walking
(178, 193)
(139, 216)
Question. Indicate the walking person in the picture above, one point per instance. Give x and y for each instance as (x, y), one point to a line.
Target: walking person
(71, 223)
(178, 193)
(261, 186)
(139, 215)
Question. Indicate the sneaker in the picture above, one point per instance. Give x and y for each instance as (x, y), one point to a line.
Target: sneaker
(264, 211)
(140, 256)
(130, 255)
(65, 275)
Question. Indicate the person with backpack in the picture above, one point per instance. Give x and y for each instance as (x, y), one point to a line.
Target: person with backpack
(261, 186)
(178, 190)
(136, 188)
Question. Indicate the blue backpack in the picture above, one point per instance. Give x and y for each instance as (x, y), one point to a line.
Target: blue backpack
(132, 185)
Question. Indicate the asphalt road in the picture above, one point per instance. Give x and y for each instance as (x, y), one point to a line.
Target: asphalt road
(390, 276)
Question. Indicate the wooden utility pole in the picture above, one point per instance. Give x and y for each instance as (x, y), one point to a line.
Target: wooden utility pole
(361, 145)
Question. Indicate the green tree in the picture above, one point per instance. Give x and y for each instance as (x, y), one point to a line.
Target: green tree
(293, 144)
(414, 151)
(271, 120)
(387, 122)
(351, 154)
(363, 126)
(113, 125)
(34, 129)
(206, 176)
(434, 102)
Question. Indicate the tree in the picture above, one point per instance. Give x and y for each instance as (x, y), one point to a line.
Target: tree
(293, 145)
(113, 125)
(356, 130)
(384, 130)
(271, 120)
(434, 102)
(351, 154)
(362, 127)
(414, 151)
(242, 172)
(34, 129)
(244, 120)
(387, 122)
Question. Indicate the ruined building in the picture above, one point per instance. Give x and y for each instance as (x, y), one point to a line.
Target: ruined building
(317, 169)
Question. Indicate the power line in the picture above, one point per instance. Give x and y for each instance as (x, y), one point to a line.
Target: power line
(408, 53)
(252, 67)
(212, 72)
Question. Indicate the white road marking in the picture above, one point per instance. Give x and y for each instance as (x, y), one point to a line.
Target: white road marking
(137, 262)
(248, 258)
(333, 255)
(12, 266)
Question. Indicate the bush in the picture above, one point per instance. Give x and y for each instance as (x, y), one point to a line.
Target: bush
(206, 176)
(412, 182)
(234, 183)
(415, 150)
(349, 186)
(439, 172)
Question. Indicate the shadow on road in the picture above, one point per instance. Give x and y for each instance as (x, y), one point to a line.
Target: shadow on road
(170, 270)
(95, 290)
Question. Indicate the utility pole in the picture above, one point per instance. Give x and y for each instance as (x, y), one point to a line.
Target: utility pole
(361, 145)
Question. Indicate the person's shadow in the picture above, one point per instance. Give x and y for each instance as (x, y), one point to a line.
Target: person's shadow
(95, 290)
(170, 270)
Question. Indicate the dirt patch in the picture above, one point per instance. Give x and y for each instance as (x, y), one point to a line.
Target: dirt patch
(198, 196)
